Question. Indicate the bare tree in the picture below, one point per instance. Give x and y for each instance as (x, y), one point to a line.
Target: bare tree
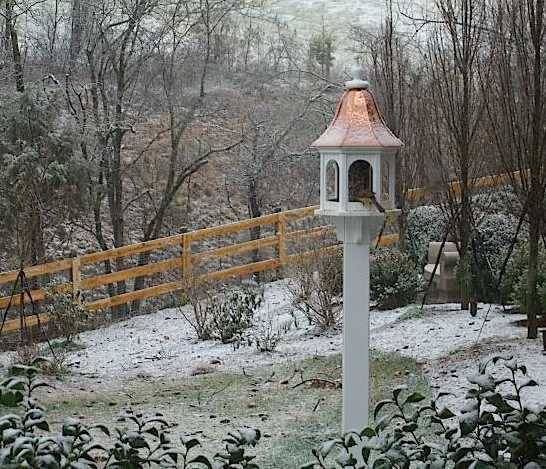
(516, 106)
(10, 15)
(454, 57)
(398, 79)
(78, 19)
(121, 39)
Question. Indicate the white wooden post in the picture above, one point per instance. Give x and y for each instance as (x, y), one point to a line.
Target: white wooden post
(356, 335)
(356, 232)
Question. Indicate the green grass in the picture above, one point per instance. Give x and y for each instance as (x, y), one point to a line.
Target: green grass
(61, 345)
(412, 312)
(293, 419)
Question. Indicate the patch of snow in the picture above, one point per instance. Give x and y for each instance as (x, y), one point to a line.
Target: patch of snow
(444, 341)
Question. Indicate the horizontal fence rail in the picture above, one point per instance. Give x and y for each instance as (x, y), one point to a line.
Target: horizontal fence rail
(187, 262)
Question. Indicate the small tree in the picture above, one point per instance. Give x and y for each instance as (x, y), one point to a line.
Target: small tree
(67, 315)
(321, 51)
(41, 172)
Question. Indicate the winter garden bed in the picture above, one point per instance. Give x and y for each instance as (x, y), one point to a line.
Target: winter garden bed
(153, 363)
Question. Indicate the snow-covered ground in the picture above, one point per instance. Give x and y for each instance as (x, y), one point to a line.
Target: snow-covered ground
(444, 340)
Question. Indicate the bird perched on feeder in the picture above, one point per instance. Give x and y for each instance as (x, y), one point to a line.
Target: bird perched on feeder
(366, 198)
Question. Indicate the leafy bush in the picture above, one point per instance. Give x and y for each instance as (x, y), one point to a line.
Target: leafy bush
(394, 280)
(489, 248)
(514, 272)
(494, 429)
(500, 200)
(221, 316)
(26, 440)
(514, 285)
(496, 235)
(424, 224)
(317, 286)
(233, 313)
(67, 316)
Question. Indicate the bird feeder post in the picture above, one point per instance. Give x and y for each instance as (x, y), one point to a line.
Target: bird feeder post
(357, 192)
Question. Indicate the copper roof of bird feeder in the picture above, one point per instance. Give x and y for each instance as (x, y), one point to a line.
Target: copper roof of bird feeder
(357, 122)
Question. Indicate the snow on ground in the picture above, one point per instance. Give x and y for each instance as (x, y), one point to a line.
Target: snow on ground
(443, 340)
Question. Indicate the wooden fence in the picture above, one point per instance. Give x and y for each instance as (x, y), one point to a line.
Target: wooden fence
(185, 260)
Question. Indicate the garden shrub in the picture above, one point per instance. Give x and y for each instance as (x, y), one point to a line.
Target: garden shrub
(423, 225)
(317, 287)
(494, 429)
(515, 282)
(500, 200)
(233, 313)
(492, 239)
(496, 235)
(394, 278)
(514, 271)
(221, 316)
(68, 316)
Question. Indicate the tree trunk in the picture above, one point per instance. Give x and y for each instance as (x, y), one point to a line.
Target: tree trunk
(36, 241)
(533, 299)
(115, 200)
(254, 212)
(536, 195)
(15, 50)
(77, 16)
(464, 229)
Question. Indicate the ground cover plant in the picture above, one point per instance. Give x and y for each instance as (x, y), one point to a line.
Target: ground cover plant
(494, 429)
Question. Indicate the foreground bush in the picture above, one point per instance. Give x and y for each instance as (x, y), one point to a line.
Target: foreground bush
(394, 279)
(26, 440)
(495, 429)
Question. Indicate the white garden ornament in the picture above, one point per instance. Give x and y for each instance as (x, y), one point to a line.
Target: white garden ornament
(357, 192)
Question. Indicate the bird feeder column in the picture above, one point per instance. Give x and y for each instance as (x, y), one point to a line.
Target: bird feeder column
(356, 334)
(356, 234)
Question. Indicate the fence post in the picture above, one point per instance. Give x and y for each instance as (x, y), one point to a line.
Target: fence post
(283, 248)
(76, 277)
(186, 260)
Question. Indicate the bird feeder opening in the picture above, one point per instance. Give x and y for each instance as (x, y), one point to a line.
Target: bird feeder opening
(360, 180)
(332, 181)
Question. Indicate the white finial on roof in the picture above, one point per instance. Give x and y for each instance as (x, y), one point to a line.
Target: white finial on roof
(357, 83)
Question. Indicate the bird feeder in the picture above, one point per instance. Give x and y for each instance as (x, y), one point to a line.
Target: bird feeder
(357, 191)
(357, 158)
